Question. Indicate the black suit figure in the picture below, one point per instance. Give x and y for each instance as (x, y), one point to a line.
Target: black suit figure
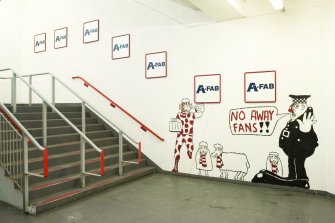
(298, 140)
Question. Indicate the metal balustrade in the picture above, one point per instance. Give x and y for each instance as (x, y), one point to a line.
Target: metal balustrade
(11, 151)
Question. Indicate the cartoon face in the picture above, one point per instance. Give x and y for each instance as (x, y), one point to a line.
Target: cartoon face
(274, 159)
(185, 107)
(297, 109)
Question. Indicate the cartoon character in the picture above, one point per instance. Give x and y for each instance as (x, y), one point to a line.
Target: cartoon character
(298, 141)
(273, 164)
(183, 125)
(203, 158)
(230, 161)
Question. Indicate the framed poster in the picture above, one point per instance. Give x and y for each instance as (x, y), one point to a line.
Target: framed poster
(207, 88)
(91, 31)
(260, 87)
(121, 46)
(156, 65)
(60, 38)
(40, 42)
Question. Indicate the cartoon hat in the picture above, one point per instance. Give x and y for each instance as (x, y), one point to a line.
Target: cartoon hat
(203, 143)
(218, 146)
(301, 99)
(185, 101)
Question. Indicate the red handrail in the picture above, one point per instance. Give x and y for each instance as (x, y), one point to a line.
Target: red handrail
(113, 104)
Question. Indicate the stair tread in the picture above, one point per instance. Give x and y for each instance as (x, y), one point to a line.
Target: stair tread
(74, 191)
(73, 143)
(71, 134)
(50, 182)
(59, 127)
(54, 119)
(77, 163)
(58, 155)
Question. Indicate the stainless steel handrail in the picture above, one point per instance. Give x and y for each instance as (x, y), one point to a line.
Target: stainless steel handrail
(55, 109)
(21, 127)
(84, 102)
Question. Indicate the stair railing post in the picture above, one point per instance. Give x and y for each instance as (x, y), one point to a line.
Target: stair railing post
(30, 90)
(53, 89)
(1, 151)
(13, 97)
(120, 152)
(25, 174)
(82, 145)
(44, 123)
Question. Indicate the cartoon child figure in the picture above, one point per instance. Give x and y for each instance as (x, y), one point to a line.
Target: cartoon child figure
(183, 125)
(203, 158)
(273, 164)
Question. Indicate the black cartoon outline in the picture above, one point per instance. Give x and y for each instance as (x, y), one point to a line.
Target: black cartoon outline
(298, 141)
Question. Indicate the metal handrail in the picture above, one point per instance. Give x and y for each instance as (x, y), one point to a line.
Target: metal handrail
(54, 108)
(114, 104)
(31, 139)
(113, 125)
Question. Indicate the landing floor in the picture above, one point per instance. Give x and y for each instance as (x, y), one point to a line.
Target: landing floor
(161, 198)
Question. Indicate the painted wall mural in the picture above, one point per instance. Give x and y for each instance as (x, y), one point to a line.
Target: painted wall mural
(274, 164)
(203, 159)
(298, 140)
(183, 126)
(231, 162)
(254, 120)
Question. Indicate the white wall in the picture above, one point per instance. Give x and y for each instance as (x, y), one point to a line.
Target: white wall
(297, 44)
(10, 42)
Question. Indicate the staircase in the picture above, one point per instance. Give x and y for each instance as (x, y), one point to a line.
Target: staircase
(63, 143)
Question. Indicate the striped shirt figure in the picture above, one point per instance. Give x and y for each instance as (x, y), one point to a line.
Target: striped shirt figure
(219, 162)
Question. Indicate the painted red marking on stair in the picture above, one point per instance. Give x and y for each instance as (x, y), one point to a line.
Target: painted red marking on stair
(61, 196)
(51, 184)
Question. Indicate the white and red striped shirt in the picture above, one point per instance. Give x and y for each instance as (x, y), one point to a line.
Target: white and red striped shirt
(219, 163)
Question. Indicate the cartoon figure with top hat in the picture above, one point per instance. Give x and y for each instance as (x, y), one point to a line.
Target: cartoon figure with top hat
(298, 141)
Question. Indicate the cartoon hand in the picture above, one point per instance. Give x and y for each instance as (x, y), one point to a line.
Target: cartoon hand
(307, 121)
(199, 108)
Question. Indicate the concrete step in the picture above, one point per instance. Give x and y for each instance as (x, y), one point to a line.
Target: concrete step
(50, 115)
(24, 108)
(51, 186)
(73, 146)
(56, 122)
(63, 158)
(37, 132)
(57, 199)
(74, 167)
(72, 137)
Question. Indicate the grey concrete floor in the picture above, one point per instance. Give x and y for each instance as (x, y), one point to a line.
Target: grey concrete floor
(167, 198)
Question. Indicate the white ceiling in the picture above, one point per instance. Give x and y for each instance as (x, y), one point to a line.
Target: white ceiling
(201, 12)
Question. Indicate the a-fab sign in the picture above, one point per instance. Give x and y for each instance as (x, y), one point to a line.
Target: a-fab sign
(156, 65)
(260, 86)
(40, 43)
(207, 88)
(91, 31)
(121, 47)
(60, 38)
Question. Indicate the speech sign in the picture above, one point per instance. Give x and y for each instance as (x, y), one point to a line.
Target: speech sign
(254, 120)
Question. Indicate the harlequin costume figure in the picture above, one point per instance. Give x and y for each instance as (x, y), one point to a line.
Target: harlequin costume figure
(298, 139)
(186, 117)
